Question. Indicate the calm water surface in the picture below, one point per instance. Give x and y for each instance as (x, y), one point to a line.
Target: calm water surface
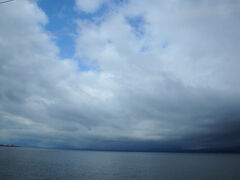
(27, 163)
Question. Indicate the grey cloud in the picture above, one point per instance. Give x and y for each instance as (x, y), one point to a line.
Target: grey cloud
(182, 97)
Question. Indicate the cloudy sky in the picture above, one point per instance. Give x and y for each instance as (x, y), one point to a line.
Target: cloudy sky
(149, 75)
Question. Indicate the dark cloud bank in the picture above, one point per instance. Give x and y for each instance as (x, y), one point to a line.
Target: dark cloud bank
(184, 97)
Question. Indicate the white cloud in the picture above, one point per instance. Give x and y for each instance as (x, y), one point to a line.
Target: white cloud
(190, 48)
(199, 40)
(176, 79)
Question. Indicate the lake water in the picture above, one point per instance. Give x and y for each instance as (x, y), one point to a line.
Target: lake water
(27, 163)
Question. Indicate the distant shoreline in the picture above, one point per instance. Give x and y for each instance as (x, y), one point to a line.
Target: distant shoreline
(8, 145)
(207, 151)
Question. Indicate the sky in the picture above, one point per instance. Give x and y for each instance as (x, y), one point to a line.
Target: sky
(126, 75)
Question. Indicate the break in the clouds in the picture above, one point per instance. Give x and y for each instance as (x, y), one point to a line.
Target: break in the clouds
(144, 75)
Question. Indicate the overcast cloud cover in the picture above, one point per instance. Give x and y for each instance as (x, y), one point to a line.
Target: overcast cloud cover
(145, 75)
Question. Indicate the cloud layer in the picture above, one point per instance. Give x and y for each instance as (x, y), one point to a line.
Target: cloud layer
(162, 75)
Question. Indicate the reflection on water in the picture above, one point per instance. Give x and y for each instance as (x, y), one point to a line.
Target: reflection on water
(27, 163)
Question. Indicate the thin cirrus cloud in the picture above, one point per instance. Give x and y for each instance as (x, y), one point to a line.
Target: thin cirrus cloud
(90, 6)
(161, 76)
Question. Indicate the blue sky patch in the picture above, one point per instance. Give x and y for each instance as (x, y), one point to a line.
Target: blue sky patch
(137, 23)
(62, 25)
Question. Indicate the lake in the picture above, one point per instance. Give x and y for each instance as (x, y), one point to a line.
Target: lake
(29, 163)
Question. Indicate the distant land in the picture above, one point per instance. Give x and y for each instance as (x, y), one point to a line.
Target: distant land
(8, 145)
(166, 150)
